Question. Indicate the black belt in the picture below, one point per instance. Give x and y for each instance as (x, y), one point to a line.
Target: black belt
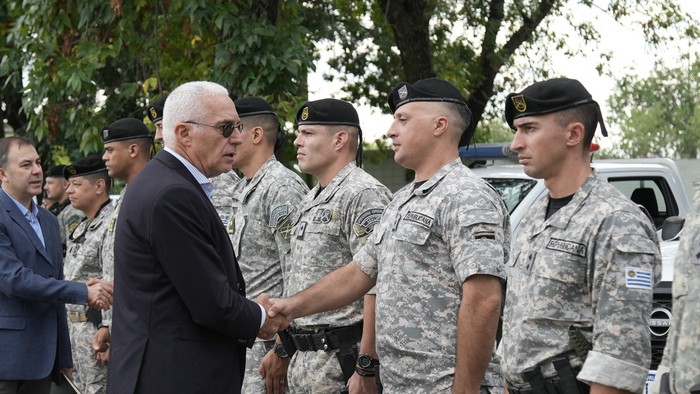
(326, 339)
(513, 390)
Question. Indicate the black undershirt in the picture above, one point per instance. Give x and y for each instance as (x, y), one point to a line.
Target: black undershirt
(556, 204)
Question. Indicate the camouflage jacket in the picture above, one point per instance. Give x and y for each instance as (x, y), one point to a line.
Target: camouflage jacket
(83, 259)
(330, 226)
(431, 238)
(592, 267)
(259, 225)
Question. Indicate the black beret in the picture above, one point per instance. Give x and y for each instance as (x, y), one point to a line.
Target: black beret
(545, 97)
(250, 106)
(125, 129)
(328, 112)
(433, 90)
(88, 165)
(55, 171)
(155, 110)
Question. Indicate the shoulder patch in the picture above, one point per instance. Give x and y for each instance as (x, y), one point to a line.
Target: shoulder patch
(364, 224)
(277, 214)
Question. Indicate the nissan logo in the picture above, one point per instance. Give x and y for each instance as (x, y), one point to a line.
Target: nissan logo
(660, 321)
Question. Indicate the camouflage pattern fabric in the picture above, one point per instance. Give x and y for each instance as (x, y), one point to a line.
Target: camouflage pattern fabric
(315, 373)
(330, 226)
(259, 226)
(252, 381)
(222, 196)
(682, 352)
(592, 265)
(68, 220)
(107, 251)
(432, 237)
(82, 263)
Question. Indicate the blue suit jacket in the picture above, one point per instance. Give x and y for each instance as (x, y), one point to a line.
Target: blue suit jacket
(34, 338)
(181, 319)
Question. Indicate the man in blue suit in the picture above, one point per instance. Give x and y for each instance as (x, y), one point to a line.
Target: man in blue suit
(34, 342)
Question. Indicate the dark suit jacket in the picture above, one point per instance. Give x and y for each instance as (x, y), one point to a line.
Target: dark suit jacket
(180, 313)
(34, 338)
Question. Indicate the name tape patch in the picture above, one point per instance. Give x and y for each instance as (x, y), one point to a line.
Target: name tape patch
(569, 247)
(417, 217)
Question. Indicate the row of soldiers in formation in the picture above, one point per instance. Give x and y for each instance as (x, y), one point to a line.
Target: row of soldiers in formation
(421, 296)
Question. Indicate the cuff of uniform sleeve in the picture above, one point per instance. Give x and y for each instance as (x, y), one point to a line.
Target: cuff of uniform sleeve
(603, 369)
(656, 386)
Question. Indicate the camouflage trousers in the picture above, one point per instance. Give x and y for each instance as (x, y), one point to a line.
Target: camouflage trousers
(252, 382)
(89, 374)
(315, 373)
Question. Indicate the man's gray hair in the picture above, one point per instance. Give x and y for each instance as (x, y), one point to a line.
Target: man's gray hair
(185, 104)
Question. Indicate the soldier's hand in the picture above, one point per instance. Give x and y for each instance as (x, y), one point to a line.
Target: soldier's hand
(362, 384)
(283, 306)
(274, 371)
(100, 342)
(99, 294)
(272, 324)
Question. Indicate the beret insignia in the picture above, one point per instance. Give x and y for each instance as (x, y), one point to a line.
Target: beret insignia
(519, 103)
(403, 92)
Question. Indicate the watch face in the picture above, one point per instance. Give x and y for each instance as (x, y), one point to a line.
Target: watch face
(365, 361)
(280, 352)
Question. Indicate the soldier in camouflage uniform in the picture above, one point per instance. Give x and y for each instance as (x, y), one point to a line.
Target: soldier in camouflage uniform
(259, 224)
(222, 195)
(68, 220)
(583, 268)
(89, 192)
(682, 353)
(437, 255)
(331, 224)
(55, 188)
(127, 144)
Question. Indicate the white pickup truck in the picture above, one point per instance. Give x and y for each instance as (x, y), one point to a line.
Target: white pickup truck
(654, 184)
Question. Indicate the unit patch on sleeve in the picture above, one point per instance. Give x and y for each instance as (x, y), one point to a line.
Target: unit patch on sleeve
(278, 213)
(569, 247)
(364, 224)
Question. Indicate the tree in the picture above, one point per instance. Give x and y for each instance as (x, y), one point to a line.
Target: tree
(78, 66)
(659, 116)
(482, 46)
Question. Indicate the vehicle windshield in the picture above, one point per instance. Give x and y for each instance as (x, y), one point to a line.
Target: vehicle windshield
(513, 190)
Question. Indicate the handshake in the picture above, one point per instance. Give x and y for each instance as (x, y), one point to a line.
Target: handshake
(99, 294)
(278, 315)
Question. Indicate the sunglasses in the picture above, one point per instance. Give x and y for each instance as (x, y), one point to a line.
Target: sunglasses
(226, 129)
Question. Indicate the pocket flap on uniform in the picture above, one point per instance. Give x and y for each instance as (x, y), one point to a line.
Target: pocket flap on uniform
(12, 323)
(637, 244)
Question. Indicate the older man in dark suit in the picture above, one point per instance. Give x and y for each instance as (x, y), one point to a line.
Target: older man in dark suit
(34, 343)
(181, 320)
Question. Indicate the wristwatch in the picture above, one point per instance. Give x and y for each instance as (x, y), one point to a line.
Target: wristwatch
(280, 351)
(366, 361)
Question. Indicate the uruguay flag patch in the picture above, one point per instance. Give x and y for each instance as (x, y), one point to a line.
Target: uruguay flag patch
(638, 278)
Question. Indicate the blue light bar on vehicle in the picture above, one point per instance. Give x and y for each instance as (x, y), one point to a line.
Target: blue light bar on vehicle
(488, 151)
